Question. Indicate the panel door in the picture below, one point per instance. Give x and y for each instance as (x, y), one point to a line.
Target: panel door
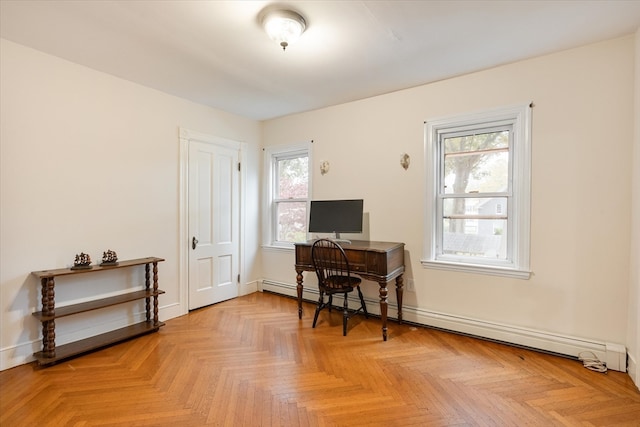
(213, 223)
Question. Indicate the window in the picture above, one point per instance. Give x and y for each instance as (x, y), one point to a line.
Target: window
(288, 194)
(478, 192)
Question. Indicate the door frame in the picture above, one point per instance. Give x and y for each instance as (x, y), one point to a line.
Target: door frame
(184, 242)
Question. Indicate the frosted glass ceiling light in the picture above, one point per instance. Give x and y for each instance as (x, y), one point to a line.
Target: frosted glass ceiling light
(284, 26)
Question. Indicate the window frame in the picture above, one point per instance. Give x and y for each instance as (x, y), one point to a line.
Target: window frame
(272, 155)
(518, 195)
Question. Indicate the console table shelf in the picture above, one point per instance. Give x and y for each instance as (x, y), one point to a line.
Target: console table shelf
(96, 304)
(98, 341)
(51, 354)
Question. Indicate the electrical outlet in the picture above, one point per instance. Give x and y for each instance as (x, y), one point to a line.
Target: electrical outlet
(411, 285)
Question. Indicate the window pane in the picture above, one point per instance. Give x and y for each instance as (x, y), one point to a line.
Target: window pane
(292, 221)
(475, 227)
(292, 177)
(481, 238)
(482, 207)
(476, 163)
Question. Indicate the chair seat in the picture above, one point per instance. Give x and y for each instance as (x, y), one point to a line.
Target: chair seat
(336, 284)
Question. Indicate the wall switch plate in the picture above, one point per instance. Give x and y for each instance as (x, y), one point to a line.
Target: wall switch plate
(411, 285)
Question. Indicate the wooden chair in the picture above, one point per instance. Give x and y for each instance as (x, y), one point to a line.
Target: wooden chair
(334, 277)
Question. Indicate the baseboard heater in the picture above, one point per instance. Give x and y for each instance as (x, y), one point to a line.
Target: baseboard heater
(614, 355)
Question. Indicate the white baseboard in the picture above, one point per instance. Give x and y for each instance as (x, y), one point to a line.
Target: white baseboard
(248, 288)
(22, 353)
(632, 369)
(561, 344)
(526, 337)
(616, 357)
(169, 311)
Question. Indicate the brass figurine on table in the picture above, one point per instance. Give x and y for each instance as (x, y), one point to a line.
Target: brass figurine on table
(81, 262)
(109, 258)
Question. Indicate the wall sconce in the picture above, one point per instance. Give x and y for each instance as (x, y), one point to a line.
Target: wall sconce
(324, 167)
(405, 160)
(284, 26)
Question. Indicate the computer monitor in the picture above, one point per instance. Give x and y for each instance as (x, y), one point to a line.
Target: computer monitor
(336, 216)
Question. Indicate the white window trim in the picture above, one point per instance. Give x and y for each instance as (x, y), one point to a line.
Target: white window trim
(268, 225)
(521, 164)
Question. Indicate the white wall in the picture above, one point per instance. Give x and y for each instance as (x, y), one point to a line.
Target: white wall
(633, 334)
(581, 213)
(89, 162)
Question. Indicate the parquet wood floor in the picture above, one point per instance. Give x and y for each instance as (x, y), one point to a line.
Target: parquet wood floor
(251, 362)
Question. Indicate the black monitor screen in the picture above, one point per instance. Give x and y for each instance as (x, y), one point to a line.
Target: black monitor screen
(336, 216)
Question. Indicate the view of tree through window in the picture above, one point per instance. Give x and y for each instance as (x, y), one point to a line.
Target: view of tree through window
(292, 178)
(474, 193)
(478, 192)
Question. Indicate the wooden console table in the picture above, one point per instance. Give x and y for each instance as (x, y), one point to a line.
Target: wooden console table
(51, 354)
(380, 262)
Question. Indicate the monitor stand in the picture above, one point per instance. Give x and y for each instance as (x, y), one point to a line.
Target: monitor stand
(339, 240)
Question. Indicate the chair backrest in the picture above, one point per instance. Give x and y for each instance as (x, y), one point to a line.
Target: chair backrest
(329, 260)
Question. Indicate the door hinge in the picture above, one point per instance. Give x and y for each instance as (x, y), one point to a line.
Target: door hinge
(238, 166)
(238, 278)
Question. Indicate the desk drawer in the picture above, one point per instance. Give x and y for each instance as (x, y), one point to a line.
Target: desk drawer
(358, 268)
(383, 263)
(303, 255)
(356, 260)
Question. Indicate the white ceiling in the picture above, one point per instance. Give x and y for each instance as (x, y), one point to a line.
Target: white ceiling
(216, 53)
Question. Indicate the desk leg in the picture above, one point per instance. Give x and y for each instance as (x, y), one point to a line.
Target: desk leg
(399, 293)
(383, 309)
(299, 289)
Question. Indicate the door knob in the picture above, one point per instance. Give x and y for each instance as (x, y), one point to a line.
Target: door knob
(194, 242)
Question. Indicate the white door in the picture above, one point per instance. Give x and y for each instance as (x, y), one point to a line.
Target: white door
(213, 223)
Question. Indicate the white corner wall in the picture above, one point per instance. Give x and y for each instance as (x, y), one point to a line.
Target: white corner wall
(583, 125)
(90, 162)
(633, 334)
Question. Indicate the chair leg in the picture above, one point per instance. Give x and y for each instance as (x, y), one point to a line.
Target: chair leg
(318, 308)
(364, 306)
(330, 301)
(345, 315)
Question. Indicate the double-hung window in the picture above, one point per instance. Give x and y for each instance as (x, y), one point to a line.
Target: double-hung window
(288, 194)
(478, 192)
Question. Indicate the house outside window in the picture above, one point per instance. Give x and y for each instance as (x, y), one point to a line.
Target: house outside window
(478, 192)
(288, 194)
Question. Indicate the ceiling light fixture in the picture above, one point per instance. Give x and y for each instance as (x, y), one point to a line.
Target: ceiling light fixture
(284, 26)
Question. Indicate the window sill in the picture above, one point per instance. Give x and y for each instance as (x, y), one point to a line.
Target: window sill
(278, 248)
(478, 269)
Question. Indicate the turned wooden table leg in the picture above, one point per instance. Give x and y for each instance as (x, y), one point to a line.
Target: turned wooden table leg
(48, 309)
(147, 286)
(399, 294)
(383, 309)
(299, 289)
(155, 292)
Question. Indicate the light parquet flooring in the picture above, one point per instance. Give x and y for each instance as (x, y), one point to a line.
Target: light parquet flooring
(251, 362)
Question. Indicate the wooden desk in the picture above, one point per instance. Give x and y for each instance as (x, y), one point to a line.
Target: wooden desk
(380, 262)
